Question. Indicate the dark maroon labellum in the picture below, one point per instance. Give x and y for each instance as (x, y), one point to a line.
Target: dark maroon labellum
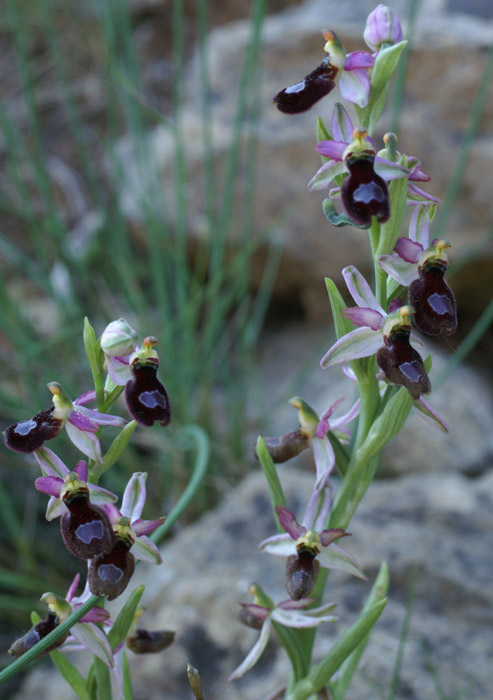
(110, 573)
(30, 434)
(301, 573)
(146, 642)
(433, 300)
(35, 634)
(401, 364)
(246, 617)
(364, 193)
(147, 399)
(300, 97)
(286, 446)
(86, 530)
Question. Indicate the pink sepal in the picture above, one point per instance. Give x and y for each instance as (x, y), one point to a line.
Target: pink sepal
(289, 523)
(85, 398)
(144, 527)
(364, 317)
(408, 250)
(83, 422)
(358, 59)
(51, 485)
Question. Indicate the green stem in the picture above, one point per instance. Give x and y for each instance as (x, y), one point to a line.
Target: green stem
(50, 639)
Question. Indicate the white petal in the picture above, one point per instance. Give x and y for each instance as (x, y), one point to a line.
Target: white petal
(279, 545)
(145, 550)
(134, 496)
(361, 342)
(325, 459)
(295, 618)
(94, 640)
(360, 290)
(255, 653)
(334, 557)
(400, 270)
(88, 443)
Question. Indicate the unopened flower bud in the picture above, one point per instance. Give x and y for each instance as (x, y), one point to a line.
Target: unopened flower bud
(86, 529)
(301, 574)
(36, 633)
(118, 338)
(145, 642)
(195, 682)
(382, 26)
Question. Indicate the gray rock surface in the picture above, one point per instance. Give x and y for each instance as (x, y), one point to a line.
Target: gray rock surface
(439, 522)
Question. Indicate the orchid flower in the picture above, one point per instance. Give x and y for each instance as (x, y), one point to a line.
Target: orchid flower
(133, 502)
(337, 149)
(382, 27)
(85, 634)
(313, 431)
(55, 474)
(81, 424)
(290, 613)
(386, 334)
(308, 546)
(421, 267)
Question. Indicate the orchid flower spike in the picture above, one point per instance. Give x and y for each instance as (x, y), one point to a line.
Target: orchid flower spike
(82, 425)
(290, 613)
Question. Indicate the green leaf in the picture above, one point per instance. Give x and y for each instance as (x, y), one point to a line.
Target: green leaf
(321, 673)
(116, 449)
(102, 679)
(125, 618)
(336, 219)
(127, 680)
(93, 349)
(386, 426)
(337, 304)
(68, 671)
(276, 492)
(377, 593)
(390, 230)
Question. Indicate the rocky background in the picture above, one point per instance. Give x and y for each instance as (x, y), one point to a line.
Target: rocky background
(431, 510)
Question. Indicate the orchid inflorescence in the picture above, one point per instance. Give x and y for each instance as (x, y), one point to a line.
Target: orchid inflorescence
(93, 528)
(380, 355)
(376, 346)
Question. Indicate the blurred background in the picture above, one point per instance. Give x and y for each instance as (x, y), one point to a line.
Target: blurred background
(145, 173)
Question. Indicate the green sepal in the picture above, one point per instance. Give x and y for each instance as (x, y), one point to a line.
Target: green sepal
(377, 107)
(125, 618)
(377, 593)
(321, 673)
(115, 450)
(336, 219)
(337, 304)
(386, 426)
(111, 396)
(70, 673)
(277, 497)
